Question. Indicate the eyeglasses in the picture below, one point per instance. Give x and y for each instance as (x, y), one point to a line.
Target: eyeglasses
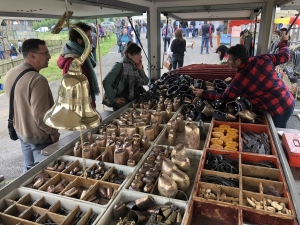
(43, 53)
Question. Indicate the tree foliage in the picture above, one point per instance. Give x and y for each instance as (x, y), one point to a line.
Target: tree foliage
(50, 22)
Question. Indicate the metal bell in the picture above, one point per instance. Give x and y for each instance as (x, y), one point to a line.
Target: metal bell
(72, 109)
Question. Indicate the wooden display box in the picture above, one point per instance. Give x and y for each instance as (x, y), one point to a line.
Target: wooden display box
(202, 211)
(260, 197)
(259, 129)
(7, 220)
(257, 172)
(246, 158)
(229, 191)
(55, 218)
(81, 184)
(253, 185)
(94, 190)
(5, 203)
(215, 124)
(16, 210)
(55, 180)
(26, 200)
(31, 180)
(77, 163)
(230, 155)
(33, 210)
(261, 218)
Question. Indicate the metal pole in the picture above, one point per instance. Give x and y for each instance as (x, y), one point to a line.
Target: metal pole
(99, 60)
(254, 37)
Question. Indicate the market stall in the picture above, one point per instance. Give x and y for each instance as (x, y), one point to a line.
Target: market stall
(222, 183)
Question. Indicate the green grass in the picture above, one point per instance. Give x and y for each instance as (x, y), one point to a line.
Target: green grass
(52, 72)
(63, 35)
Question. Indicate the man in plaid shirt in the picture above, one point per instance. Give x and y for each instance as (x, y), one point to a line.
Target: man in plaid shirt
(257, 80)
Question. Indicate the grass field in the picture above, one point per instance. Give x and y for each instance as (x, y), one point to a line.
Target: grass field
(52, 72)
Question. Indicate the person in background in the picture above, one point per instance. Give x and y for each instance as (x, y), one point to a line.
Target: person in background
(219, 30)
(118, 27)
(257, 80)
(101, 31)
(193, 27)
(123, 39)
(123, 21)
(94, 42)
(128, 28)
(283, 31)
(178, 47)
(128, 75)
(205, 37)
(184, 26)
(32, 99)
(20, 46)
(144, 26)
(138, 29)
(1, 178)
(222, 52)
(211, 31)
(2, 57)
(167, 34)
(74, 49)
(13, 51)
(243, 36)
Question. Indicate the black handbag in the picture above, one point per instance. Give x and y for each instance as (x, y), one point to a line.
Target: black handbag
(11, 130)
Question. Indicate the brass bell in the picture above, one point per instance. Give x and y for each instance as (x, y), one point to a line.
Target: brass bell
(72, 109)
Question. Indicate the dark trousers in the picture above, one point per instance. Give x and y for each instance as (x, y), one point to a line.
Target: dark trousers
(166, 43)
(281, 121)
(94, 54)
(177, 60)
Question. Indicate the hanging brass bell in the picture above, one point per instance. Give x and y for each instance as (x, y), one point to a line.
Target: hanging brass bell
(72, 110)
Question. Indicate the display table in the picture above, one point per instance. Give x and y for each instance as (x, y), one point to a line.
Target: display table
(19, 201)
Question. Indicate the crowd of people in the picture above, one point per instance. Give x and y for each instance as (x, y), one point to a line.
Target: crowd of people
(13, 51)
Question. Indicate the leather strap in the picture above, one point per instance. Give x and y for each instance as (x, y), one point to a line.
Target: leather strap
(12, 94)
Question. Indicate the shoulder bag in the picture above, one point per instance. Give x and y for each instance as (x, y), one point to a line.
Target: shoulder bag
(106, 101)
(11, 130)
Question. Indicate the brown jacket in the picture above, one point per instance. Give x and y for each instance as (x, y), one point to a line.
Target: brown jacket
(33, 98)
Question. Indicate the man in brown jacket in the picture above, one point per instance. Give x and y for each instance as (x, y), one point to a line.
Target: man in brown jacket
(32, 99)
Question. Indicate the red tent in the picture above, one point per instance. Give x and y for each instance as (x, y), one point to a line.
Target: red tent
(240, 22)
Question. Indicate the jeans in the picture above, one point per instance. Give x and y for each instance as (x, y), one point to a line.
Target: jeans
(184, 31)
(177, 60)
(1, 55)
(281, 121)
(136, 39)
(166, 43)
(204, 41)
(118, 35)
(31, 152)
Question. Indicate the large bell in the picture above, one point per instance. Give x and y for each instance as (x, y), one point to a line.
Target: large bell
(72, 109)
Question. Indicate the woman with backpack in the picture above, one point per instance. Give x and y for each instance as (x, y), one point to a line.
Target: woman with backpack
(125, 80)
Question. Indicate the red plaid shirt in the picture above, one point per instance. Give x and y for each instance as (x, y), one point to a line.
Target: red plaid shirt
(257, 80)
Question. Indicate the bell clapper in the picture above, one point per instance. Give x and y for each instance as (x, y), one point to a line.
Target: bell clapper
(83, 155)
